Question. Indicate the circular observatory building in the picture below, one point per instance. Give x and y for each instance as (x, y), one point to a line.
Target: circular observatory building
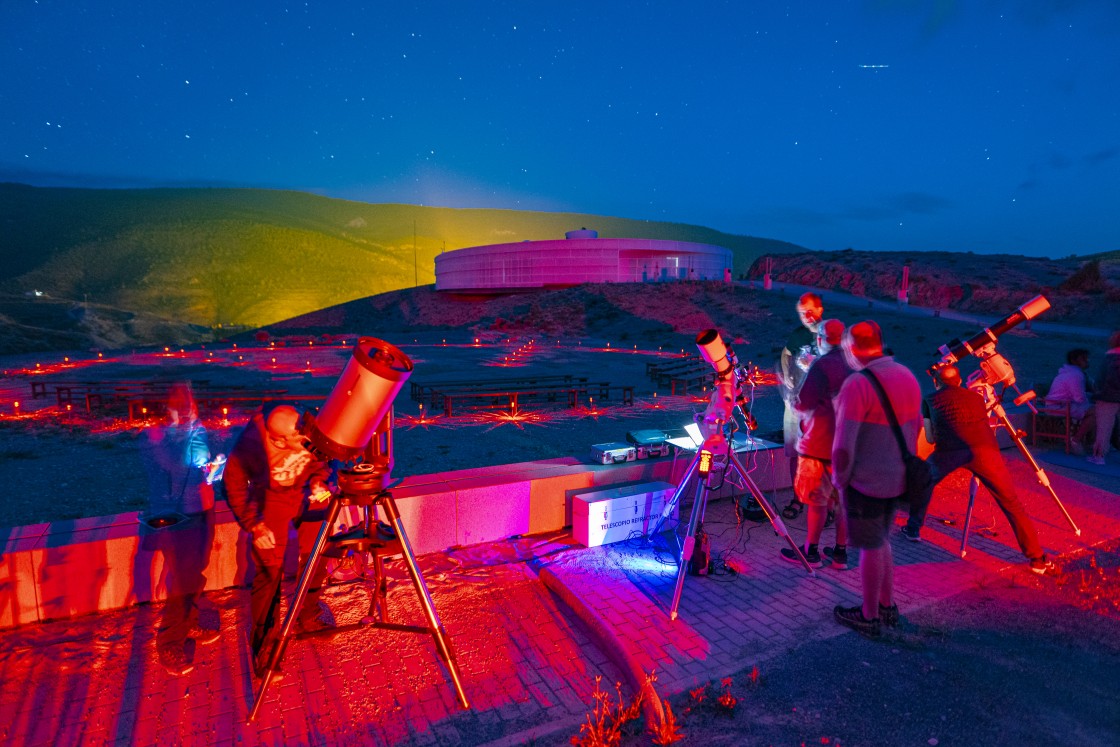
(580, 257)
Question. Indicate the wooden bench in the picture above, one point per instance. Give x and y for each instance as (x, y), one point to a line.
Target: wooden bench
(697, 378)
(420, 391)
(507, 400)
(435, 393)
(1054, 422)
(666, 375)
(653, 366)
(139, 405)
(510, 399)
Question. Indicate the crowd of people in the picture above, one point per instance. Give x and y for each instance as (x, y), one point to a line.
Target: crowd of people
(852, 415)
(850, 412)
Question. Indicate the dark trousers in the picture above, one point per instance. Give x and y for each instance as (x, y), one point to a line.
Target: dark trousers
(988, 466)
(186, 553)
(264, 595)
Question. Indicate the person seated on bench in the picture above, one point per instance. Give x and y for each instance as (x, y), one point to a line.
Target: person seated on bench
(1072, 386)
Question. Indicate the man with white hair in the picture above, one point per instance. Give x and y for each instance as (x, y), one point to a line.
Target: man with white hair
(797, 356)
(868, 467)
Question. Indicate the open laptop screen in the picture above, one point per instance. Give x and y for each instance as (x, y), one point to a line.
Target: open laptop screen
(693, 432)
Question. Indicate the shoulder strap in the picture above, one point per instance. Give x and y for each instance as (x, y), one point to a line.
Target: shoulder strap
(888, 410)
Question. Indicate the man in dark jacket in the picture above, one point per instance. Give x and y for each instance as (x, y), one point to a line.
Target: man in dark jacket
(812, 483)
(269, 479)
(957, 424)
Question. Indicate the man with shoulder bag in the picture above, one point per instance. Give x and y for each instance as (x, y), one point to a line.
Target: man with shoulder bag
(878, 416)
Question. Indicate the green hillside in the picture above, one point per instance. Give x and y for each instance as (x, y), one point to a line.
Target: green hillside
(247, 257)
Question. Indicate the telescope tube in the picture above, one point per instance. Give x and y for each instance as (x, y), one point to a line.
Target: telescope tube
(956, 349)
(360, 400)
(714, 351)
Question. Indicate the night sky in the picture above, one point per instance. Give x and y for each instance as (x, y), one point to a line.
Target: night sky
(890, 125)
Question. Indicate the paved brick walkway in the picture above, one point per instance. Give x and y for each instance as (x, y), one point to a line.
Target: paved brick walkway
(529, 656)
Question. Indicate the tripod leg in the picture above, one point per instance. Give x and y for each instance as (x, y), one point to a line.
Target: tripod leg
(378, 609)
(973, 487)
(278, 647)
(443, 644)
(689, 545)
(771, 514)
(1039, 474)
(673, 502)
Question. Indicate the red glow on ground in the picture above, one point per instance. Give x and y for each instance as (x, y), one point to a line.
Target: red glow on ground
(421, 421)
(519, 418)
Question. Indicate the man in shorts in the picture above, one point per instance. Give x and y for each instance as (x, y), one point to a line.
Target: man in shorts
(812, 483)
(868, 467)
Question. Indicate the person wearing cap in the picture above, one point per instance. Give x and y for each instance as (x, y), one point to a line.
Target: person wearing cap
(271, 479)
(812, 484)
(958, 426)
(868, 468)
(797, 356)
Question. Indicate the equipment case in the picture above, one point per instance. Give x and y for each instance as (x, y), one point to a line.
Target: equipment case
(613, 453)
(649, 443)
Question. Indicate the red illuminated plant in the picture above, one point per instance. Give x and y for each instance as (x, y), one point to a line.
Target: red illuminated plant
(607, 718)
(727, 700)
(666, 730)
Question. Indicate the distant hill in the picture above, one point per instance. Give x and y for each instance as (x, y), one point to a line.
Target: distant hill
(82, 268)
(246, 258)
(1081, 290)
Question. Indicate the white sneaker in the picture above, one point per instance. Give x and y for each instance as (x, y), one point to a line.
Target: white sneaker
(1095, 460)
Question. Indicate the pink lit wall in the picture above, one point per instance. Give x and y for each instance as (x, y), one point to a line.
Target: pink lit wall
(565, 262)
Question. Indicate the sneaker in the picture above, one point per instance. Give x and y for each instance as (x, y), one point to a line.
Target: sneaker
(204, 635)
(314, 625)
(1094, 459)
(889, 615)
(1076, 448)
(1043, 566)
(914, 535)
(177, 659)
(853, 618)
(814, 557)
(793, 509)
(838, 556)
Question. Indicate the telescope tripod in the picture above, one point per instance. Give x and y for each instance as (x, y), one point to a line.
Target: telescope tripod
(363, 486)
(996, 408)
(700, 468)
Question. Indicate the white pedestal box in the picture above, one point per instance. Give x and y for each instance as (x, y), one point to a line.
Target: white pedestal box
(601, 516)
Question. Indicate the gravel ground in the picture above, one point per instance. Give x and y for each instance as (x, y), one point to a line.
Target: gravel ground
(1001, 664)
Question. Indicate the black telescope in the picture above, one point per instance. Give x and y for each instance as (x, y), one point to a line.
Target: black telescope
(955, 350)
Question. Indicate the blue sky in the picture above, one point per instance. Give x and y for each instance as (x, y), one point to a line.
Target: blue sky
(892, 125)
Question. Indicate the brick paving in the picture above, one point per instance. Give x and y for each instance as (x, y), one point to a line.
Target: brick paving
(533, 621)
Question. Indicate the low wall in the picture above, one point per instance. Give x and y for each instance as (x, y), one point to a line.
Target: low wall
(68, 568)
